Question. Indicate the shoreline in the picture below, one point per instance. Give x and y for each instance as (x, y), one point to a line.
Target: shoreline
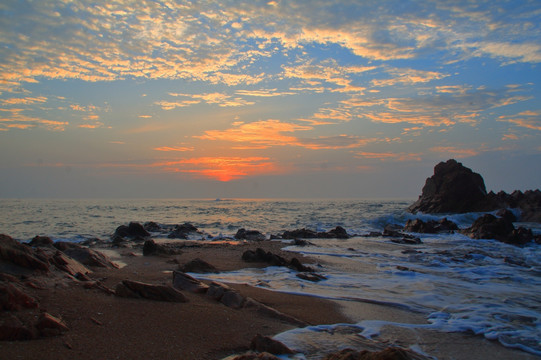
(105, 326)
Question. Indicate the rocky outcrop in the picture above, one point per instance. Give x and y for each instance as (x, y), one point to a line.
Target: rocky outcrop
(500, 228)
(150, 247)
(455, 188)
(136, 289)
(182, 281)
(431, 226)
(452, 189)
(336, 233)
(182, 231)
(133, 230)
(13, 252)
(250, 235)
(86, 256)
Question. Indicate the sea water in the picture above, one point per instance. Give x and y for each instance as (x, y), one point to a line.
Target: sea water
(457, 284)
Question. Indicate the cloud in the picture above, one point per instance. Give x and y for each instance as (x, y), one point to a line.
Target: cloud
(174, 148)
(222, 100)
(389, 156)
(525, 52)
(408, 77)
(264, 93)
(24, 101)
(526, 119)
(456, 152)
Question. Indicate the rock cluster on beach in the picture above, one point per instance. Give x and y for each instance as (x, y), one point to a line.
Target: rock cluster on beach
(455, 188)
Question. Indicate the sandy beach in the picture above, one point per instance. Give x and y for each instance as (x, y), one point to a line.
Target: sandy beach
(104, 326)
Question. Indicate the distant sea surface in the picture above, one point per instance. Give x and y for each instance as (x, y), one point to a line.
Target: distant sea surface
(483, 287)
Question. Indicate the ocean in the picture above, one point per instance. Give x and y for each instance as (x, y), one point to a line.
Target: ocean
(481, 287)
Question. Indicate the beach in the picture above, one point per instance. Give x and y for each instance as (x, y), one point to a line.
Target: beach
(104, 326)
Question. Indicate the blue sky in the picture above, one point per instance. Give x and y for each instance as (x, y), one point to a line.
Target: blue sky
(266, 98)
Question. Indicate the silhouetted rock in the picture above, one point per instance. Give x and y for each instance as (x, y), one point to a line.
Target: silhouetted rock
(182, 231)
(452, 189)
(134, 230)
(41, 241)
(150, 247)
(250, 235)
(336, 233)
(430, 227)
(500, 228)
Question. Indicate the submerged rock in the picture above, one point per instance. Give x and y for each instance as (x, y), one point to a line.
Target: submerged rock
(336, 233)
(182, 231)
(430, 227)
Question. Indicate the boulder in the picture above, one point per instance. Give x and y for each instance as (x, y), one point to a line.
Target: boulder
(134, 230)
(14, 252)
(150, 247)
(151, 226)
(338, 233)
(41, 241)
(453, 188)
(232, 299)
(489, 226)
(198, 266)
(184, 281)
(260, 255)
(390, 353)
(262, 343)
(300, 233)
(136, 289)
(49, 325)
(85, 255)
(13, 298)
(182, 231)
(430, 227)
(250, 235)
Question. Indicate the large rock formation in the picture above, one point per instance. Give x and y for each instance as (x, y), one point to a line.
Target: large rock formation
(455, 188)
(452, 189)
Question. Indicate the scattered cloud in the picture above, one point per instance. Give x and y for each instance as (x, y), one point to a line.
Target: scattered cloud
(175, 148)
(455, 152)
(389, 156)
(526, 119)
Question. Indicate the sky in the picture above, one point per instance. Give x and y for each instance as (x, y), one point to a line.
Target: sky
(266, 99)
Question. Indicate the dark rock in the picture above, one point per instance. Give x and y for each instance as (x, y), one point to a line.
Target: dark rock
(399, 237)
(491, 227)
(232, 299)
(390, 353)
(65, 263)
(13, 329)
(13, 298)
(182, 231)
(250, 235)
(260, 255)
(184, 281)
(49, 325)
(338, 233)
(266, 344)
(300, 242)
(300, 233)
(255, 356)
(216, 290)
(19, 254)
(297, 265)
(133, 230)
(198, 266)
(507, 215)
(135, 289)
(456, 189)
(41, 241)
(452, 189)
(312, 276)
(85, 255)
(151, 226)
(430, 227)
(150, 247)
